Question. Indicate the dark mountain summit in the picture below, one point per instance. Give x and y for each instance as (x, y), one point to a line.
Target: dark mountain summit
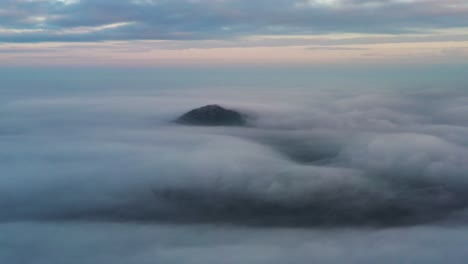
(212, 115)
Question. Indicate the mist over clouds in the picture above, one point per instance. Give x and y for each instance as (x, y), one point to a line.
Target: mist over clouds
(318, 174)
(92, 243)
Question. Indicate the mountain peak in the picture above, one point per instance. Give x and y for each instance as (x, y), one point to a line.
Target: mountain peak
(212, 115)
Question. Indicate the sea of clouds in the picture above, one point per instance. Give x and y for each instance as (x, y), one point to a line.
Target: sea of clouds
(316, 175)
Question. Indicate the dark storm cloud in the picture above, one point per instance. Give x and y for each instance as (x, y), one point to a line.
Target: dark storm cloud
(85, 20)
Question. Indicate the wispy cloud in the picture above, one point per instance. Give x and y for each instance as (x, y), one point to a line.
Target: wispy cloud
(45, 21)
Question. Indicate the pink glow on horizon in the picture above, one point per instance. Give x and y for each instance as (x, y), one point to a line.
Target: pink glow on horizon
(147, 53)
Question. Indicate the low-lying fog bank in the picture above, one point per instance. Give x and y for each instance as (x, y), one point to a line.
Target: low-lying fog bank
(319, 175)
(318, 158)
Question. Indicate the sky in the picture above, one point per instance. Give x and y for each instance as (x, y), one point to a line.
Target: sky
(232, 32)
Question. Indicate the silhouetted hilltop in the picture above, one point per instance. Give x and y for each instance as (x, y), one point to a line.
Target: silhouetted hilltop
(212, 115)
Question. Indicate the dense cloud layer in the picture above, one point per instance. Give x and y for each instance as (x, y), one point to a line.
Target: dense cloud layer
(325, 158)
(95, 172)
(86, 20)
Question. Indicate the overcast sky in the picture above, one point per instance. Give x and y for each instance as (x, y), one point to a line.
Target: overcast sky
(163, 32)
